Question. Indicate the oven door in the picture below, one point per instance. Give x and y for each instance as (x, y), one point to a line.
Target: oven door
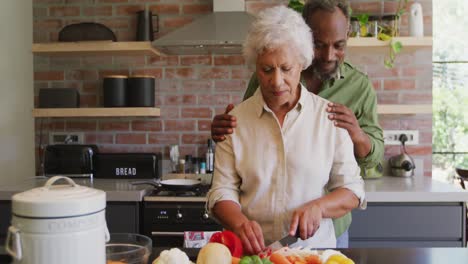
(166, 222)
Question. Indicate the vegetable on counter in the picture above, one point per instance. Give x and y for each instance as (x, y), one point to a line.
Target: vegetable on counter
(172, 256)
(214, 253)
(254, 260)
(230, 240)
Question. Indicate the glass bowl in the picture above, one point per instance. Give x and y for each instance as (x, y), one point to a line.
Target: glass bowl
(124, 248)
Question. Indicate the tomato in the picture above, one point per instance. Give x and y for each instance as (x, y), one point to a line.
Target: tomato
(230, 240)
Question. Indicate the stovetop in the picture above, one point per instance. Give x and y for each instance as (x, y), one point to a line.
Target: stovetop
(197, 194)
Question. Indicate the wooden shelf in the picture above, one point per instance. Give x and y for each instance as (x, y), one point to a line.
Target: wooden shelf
(398, 109)
(96, 112)
(86, 48)
(374, 42)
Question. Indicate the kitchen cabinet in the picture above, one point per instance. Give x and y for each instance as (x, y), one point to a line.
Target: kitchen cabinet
(5, 218)
(409, 225)
(123, 217)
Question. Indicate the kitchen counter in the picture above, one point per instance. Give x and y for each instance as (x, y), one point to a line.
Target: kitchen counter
(413, 189)
(116, 190)
(385, 189)
(386, 255)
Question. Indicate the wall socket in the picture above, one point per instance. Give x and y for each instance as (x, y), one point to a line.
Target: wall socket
(64, 137)
(391, 137)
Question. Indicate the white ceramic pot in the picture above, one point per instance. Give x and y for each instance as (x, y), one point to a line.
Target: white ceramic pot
(58, 224)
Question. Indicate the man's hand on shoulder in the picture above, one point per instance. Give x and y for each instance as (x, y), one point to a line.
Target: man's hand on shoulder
(343, 117)
(223, 125)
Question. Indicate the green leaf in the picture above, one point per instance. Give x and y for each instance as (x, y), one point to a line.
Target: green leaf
(388, 64)
(363, 19)
(396, 46)
(296, 5)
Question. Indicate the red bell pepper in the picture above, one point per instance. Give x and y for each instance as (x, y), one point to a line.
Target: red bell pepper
(230, 240)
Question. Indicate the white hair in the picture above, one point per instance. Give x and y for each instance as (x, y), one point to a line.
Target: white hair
(277, 26)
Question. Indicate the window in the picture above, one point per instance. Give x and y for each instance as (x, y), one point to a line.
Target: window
(450, 89)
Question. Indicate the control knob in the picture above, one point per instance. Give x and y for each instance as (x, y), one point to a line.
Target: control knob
(179, 215)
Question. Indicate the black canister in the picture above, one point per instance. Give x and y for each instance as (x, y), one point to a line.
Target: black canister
(140, 92)
(115, 91)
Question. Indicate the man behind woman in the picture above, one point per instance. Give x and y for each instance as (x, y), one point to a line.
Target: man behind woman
(286, 166)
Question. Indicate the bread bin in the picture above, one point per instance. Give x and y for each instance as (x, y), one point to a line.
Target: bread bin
(57, 224)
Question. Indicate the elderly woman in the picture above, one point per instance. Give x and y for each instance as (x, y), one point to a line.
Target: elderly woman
(286, 167)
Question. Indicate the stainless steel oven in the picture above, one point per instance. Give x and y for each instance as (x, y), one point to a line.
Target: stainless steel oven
(167, 215)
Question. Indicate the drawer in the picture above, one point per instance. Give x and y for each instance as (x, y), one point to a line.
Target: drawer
(411, 221)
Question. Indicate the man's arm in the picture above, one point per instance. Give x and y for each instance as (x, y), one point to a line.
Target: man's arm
(224, 124)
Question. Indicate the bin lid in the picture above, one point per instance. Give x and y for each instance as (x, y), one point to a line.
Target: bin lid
(58, 200)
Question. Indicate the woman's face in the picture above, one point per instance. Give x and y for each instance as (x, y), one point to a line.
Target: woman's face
(279, 73)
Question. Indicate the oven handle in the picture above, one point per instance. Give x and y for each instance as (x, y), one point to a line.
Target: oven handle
(167, 234)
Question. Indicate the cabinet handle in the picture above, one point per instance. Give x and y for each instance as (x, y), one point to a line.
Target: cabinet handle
(167, 233)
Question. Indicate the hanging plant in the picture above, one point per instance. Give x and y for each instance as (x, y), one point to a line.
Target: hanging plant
(297, 5)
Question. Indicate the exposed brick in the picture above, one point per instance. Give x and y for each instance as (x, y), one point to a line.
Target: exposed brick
(179, 99)
(81, 125)
(196, 112)
(241, 73)
(179, 125)
(171, 86)
(387, 97)
(105, 73)
(214, 73)
(189, 150)
(147, 125)
(41, 2)
(115, 23)
(416, 98)
(169, 112)
(195, 60)
(195, 138)
(61, 11)
(236, 98)
(162, 138)
(229, 60)
(419, 150)
(127, 61)
(98, 11)
(165, 9)
(48, 75)
(399, 84)
(164, 61)
(126, 10)
(366, 7)
(197, 8)
(179, 73)
(377, 84)
(91, 87)
(204, 125)
(176, 22)
(95, 138)
(414, 71)
(156, 73)
(49, 24)
(213, 99)
(381, 72)
(230, 85)
(130, 138)
(114, 125)
(198, 86)
(83, 75)
(113, 1)
(88, 100)
(416, 124)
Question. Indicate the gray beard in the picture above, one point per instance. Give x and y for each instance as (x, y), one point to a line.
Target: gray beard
(325, 76)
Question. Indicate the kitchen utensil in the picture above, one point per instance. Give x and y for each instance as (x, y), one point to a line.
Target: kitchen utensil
(140, 92)
(172, 184)
(87, 31)
(115, 90)
(174, 156)
(57, 224)
(59, 98)
(416, 24)
(287, 241)
(402, 165)
(145, 30)
(128, 248)
(72, 160)
(128, 165)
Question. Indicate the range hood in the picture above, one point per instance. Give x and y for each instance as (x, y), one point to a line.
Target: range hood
(221, 32)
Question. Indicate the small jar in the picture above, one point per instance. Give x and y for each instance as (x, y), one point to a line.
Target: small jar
(354, 30)
(373, 26)
(389, 25)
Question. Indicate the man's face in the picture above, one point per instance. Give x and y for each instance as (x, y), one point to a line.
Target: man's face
(330, 31)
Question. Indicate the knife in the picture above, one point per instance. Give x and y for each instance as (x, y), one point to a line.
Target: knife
(287, 241)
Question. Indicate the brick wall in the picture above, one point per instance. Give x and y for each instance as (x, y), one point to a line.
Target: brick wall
(190, 90)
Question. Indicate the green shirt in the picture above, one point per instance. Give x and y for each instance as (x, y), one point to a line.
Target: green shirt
(354, 90)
